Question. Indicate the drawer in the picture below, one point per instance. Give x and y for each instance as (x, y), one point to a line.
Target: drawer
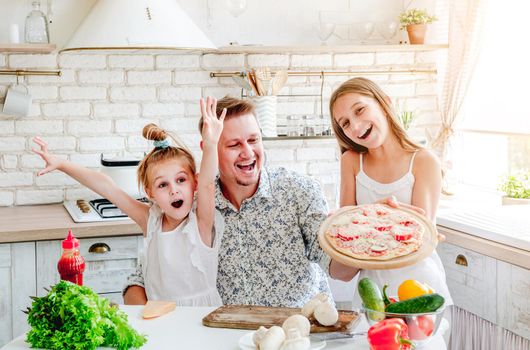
(471, 278)
(106, 271)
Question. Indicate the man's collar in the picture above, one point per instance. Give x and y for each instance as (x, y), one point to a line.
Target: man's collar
(264, 190)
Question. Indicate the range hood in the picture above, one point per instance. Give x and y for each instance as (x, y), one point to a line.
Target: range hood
(137, 25)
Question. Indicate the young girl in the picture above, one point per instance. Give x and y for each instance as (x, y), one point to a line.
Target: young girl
(182, 235)
(380, 163)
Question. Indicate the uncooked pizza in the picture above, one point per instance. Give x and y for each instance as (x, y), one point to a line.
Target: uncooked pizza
(375, 232)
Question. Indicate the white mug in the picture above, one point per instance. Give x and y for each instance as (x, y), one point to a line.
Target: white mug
(17, 102)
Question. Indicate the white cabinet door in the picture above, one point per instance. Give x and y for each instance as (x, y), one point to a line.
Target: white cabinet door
(471, 278)
(106, 271)
(17, 284)
(513, 298)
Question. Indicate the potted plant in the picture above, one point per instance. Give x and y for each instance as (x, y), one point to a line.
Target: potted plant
(406, 118)
(415, 22)
(516, 187)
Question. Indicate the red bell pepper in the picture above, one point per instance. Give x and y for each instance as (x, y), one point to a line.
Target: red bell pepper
(389, 334)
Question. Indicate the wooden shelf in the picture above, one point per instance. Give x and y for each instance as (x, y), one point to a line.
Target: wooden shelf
(328, 49)
(27, 48)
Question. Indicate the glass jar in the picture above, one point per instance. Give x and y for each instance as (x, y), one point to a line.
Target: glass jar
(36, 28)
(309, 125)
(294, 127)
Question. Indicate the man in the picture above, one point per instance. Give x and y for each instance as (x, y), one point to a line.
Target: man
(269, 253)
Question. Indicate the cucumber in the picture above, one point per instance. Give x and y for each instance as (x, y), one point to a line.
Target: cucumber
(372, 298)
(418, 305)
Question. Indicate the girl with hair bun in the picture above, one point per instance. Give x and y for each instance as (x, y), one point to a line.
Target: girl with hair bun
(181, 226)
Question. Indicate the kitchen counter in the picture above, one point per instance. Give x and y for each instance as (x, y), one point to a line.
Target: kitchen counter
(52, 221)
(501, 232)
(183, 329)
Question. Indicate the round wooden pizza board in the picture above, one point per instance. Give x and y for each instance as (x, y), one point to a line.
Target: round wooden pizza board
(430, 240)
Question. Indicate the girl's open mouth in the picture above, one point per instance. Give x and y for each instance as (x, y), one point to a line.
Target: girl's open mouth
(177, 204)
(366, 133)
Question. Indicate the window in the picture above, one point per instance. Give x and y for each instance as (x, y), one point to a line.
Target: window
(494, 132)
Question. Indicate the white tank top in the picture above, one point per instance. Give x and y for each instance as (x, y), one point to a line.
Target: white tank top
(367, 190)
(430, 270)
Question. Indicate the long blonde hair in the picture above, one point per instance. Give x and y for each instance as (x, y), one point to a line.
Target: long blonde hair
(158, 154)
(368, 88)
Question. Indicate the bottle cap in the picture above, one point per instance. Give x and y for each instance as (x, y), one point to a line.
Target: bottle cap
(70, 242)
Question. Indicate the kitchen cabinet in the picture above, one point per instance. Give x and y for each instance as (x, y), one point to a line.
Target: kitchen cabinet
(109, 261)
(491, 289)
(26, 269)
(17, 284)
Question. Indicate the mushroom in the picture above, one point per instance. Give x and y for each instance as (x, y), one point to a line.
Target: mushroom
(326, 314)
(309, 307)
(295, 341)
(322, 297)
(299, 322)
(258, 335)
(273, 339)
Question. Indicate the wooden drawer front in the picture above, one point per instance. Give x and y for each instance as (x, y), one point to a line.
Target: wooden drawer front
(513, 298)
(473, 287)
(104, 272)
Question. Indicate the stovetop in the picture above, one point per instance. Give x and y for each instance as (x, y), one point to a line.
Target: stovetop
(95, 210)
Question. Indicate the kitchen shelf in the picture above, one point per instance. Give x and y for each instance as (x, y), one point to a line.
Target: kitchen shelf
(283, 138)
(27, 48)
(328, 49)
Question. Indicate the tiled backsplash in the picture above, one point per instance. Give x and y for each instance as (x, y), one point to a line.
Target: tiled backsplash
(101, 102)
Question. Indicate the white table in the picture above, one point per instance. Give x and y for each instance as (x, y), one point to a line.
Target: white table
(183, 329)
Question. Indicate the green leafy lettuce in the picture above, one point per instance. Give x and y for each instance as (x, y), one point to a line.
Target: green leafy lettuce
(74, 317)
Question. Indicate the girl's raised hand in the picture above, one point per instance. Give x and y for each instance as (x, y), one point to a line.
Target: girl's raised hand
(52, 162)
(212, 126)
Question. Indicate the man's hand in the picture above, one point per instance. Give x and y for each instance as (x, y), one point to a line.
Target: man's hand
(52, 162)
(212, 126)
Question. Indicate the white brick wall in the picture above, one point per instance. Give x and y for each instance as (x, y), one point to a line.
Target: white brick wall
(101, 102)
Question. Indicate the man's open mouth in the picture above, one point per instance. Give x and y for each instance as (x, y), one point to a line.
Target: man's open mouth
(177, 204)
(366, 132)
(247, 166)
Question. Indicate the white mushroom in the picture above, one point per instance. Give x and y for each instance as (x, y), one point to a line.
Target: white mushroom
(322, 297)
(309, 307)
(299, 322)
(326, 314)
(258, 335)
(273, 339)
(295, 341)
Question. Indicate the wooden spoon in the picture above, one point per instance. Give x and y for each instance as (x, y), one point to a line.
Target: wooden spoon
(280, 78)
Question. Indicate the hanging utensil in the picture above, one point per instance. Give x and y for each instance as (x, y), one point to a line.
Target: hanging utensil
(252, 83)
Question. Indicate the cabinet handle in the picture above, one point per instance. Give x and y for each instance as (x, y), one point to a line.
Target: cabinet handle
(99, 248)
(461, 260)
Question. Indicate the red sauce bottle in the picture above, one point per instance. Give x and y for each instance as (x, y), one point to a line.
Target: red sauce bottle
(71, 265)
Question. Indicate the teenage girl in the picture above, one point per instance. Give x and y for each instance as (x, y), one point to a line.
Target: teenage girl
(380, 163)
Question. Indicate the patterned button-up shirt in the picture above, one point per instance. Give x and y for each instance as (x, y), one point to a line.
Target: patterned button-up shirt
(269, 254)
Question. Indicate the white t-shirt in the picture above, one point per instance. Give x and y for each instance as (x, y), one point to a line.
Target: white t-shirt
(177, 265)
(429, 270)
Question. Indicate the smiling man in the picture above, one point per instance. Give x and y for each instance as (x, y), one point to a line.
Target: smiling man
(269, 254)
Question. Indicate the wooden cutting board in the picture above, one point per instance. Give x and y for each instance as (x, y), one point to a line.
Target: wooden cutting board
(252, 317)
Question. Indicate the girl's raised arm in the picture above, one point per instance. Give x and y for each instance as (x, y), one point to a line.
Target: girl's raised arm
(96, 181)
(211, 132)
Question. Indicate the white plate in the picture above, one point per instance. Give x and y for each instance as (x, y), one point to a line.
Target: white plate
(246, 343)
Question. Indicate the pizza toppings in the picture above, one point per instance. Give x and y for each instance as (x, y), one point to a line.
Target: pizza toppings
(375, 231)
